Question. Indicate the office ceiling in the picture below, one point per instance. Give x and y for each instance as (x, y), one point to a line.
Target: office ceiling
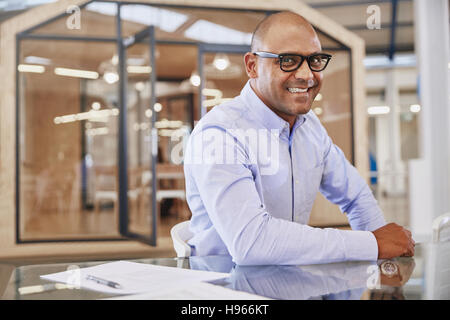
(396, 17)
(393, 34)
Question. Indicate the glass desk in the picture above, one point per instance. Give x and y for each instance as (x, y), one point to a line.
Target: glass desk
(425, 276)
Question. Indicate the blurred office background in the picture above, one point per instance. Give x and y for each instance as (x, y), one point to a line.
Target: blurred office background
(176, 63)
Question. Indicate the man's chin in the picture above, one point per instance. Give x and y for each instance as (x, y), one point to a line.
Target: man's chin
(302, 109)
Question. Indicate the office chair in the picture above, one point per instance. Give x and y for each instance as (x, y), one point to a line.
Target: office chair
(105, 188)
(180, 234)
(441, 228)
(437, 261)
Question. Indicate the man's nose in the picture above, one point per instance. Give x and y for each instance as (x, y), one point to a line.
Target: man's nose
(304, 72)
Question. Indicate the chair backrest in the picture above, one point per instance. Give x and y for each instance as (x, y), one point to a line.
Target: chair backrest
(441, 228)
(180, 234)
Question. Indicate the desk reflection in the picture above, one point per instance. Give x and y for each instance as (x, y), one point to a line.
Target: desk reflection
(338, 281)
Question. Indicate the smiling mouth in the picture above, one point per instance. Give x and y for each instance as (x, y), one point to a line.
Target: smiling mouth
(297, 90)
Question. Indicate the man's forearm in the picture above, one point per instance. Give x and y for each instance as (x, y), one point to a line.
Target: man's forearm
(261, 242)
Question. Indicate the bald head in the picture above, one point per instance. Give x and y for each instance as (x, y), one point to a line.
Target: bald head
(284, 18)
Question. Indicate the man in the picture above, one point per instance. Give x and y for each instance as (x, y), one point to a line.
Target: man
(258, 213)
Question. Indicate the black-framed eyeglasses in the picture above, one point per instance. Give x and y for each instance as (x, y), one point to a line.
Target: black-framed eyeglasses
(291, 61)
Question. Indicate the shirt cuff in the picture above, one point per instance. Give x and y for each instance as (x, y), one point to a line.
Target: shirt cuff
(360, 246)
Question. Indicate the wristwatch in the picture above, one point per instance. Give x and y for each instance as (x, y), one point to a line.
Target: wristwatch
(389, 268)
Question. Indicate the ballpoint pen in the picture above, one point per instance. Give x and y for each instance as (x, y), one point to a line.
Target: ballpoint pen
(105, 282)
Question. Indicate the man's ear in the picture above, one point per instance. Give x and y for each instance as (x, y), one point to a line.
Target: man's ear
(250, 65)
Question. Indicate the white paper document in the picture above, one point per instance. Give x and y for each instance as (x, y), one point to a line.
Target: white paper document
(133, 277)
(192, 291)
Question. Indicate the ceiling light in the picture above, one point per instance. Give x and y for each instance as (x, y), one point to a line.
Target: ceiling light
(76, 73)
(115, 60)
(140, 86)
(414, 108)
(96, 105)
(139, 69)
(97, 131)
(318, 97)
(166, 20)
(91, 115)
(318, 111)
(30, 68)
(207, 31)
(195, 79)
(221, 61)
(157, 107)
(111, 77)
(135, 61)
(164, 123)
(37, 60)
(216, 93)
(375, 110)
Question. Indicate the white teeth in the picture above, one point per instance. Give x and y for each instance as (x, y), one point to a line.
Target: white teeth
(293, 90)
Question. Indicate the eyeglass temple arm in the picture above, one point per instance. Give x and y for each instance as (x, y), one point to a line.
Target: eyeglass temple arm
(263, 54)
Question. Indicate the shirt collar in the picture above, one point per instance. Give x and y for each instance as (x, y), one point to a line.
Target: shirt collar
(264, 114)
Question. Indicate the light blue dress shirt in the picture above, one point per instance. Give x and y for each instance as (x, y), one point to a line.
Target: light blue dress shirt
(251, 183)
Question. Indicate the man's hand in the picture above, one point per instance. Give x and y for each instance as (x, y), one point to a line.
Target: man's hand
(394, 241)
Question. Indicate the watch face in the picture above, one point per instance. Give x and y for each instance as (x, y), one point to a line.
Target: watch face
(389, 268)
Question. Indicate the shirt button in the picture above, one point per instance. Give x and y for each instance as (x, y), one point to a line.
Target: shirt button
(296, 181)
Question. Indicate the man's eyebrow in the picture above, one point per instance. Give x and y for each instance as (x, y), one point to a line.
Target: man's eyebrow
(294, 53)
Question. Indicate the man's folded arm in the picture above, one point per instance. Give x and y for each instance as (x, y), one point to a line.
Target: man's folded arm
(251, 234)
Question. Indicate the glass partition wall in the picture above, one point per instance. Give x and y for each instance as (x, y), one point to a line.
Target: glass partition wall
(107, 97)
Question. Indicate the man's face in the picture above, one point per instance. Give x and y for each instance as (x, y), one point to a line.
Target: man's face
(276, 88)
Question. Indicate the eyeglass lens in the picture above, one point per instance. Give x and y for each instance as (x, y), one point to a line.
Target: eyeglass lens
(291, 62)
